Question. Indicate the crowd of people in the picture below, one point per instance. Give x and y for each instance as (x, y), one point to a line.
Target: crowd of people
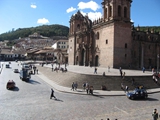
(33, 69)
(86, 87)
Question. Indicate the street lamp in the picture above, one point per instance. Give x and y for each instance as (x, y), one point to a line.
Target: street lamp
(157, 63)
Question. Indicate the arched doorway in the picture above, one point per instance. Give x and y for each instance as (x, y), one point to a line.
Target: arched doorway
(83, 57)
(77, 60)
(96, 60)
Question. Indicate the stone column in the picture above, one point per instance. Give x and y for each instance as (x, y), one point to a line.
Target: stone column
(157, 63)
(142, 55)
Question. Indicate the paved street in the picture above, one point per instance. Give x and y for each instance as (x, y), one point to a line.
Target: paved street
(30, 101)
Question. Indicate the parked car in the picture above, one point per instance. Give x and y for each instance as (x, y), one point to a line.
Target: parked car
(10, 84)
(16, 71)
(137, 94)
(7, 66)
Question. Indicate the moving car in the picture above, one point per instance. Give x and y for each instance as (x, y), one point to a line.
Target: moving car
(10, 84)
(16, 71)
(138, 93)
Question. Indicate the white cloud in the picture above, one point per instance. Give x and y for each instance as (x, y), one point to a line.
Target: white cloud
(33, 6)
(91, 5)
(71, 9)
(42, 21)
(93, 15)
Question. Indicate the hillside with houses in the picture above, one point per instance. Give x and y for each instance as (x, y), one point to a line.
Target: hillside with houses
(36, 47)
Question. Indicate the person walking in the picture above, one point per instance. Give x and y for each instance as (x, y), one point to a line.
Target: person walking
(95, 70)
(76, 86)
(127, 88)
(73, 86)
(84, 85)
(87, 89)
(143, 69)
(52, 94)
(37, 71)
(124, 75)
(155, 114)
(121, 73)
(108, 68)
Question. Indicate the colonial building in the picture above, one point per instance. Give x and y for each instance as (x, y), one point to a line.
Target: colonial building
(111, 40)
(60, 44)
(7, 54)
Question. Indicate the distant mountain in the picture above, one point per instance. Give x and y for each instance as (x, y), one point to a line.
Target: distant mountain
(44, 30)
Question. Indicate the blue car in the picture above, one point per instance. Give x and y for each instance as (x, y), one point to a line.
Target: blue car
(137, 94)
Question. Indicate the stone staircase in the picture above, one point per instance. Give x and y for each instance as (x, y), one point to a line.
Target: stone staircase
(111, 82)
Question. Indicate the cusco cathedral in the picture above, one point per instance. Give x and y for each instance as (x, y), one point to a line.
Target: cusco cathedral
(112, 40)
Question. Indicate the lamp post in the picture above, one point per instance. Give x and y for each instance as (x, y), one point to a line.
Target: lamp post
(157, 63)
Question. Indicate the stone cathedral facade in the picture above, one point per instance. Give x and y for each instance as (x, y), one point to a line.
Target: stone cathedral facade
(112, 40)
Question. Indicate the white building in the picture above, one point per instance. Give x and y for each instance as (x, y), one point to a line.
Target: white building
(60, 44)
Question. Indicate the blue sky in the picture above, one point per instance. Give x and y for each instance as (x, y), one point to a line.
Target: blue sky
(16, 14)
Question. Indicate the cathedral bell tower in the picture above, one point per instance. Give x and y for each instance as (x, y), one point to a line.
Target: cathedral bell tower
(116, 10)
(114, 31)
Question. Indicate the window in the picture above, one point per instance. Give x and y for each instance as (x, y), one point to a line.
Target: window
(78, 26)
(134, 53)
(106, 41)
(138, 37)
(125, 12)
(105, 13)
(125, 45)
(119, 11)
(97, 35)
(110, 11)
(149, 47)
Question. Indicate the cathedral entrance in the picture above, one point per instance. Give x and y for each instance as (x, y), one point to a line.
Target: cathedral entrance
(96, 60)
(77, 60)
(83, 57)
